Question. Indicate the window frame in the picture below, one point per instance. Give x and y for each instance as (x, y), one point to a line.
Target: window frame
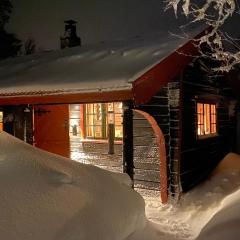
(202, 120)
(104, 125)
(103, 122)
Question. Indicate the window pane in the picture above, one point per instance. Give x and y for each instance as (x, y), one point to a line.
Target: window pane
(207, 118)
(98, 112)
(98, 131)
(200, 119)
(94, 120)
(110, 107)
(118, 132)
(89, 120)
(114, 116)
(89, 131)
(213, 109)
(98, 117)
(213, 118)
(118, 107)
(200, 108)
(118, 120)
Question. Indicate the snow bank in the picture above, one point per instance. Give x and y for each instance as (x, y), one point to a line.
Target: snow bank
(44, 196)
(210, 209)
(225, 223)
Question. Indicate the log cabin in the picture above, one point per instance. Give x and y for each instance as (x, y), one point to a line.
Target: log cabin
(144, 106)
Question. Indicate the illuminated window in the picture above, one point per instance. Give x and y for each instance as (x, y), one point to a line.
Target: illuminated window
(206, 119)
(95, 123)
(99, 115)
(1, 121)
(116, 109)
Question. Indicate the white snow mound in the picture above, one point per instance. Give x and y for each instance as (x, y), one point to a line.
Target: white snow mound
(225, 223)
(45, 196)
(210, 211)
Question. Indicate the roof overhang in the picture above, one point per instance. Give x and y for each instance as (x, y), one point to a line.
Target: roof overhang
(145, 87)
(112, 96)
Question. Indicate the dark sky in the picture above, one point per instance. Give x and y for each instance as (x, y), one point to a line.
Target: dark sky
(98, 20)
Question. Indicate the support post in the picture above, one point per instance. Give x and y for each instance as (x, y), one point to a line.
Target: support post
(128, 165)
(111, 136)
(111, 131)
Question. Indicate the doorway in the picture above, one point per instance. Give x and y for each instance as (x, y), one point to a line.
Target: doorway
(89, 133)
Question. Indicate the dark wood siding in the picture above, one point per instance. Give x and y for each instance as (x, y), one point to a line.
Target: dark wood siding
(146, 156)
(200, 155)
(164, 108)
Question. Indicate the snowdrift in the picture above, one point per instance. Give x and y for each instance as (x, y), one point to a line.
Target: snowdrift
(226, 221)
(210, 211)
(44, 196)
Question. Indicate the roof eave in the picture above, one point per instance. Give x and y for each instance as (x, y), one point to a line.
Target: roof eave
(149, 84)
(107, 96)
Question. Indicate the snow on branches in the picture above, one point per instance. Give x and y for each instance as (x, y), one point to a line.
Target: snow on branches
(214, 13)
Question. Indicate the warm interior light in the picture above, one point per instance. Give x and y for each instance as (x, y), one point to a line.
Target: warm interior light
(206, 119)
(1, 121)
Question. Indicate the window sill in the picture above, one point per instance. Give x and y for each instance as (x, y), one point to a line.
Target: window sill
(208, 136)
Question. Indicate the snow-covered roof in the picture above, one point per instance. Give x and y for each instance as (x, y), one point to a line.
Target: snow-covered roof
(104, 67)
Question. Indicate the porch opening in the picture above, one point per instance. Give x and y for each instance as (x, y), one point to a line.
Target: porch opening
(150, 162)
(96, 132)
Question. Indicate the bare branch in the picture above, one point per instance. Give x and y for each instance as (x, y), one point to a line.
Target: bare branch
(214, 13)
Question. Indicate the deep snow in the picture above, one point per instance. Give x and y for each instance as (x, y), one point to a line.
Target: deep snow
(45, 196)
(210, 209)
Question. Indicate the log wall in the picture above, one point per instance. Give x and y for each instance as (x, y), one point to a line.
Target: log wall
(164, 108)
(199, 156)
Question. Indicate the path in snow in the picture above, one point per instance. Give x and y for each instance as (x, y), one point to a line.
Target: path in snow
(185, 220)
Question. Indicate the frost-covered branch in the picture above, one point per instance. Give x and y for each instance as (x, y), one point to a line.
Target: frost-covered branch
(214, 13)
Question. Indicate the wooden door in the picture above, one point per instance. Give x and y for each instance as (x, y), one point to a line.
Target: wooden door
(51, 128)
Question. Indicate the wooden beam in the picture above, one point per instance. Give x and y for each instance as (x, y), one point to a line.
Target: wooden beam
(62, 98)
(128, 165)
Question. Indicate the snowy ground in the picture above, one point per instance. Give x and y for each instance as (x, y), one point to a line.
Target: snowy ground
(44, 196)
(209, 207)
(47, 197)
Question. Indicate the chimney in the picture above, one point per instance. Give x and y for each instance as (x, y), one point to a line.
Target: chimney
(70, 38)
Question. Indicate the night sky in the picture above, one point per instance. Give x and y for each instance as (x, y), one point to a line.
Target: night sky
(97, 20)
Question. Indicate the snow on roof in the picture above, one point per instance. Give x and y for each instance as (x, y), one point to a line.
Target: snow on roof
(103, 67)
